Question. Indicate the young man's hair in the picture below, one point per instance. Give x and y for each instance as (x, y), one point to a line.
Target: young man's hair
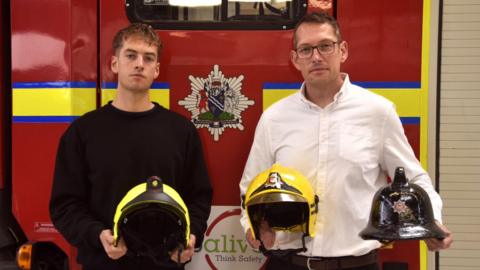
(317, 18)
(140, 30)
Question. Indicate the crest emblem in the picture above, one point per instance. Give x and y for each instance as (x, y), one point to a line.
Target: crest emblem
(274, 181)
(403, 211)
(216, 102)
(400, 207)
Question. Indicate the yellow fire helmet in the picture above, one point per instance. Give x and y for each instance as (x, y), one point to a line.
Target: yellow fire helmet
(153, 220)
(284, 198)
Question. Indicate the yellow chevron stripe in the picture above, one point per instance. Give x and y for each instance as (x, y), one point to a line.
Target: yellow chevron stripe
(407, 101)
(424, 108)
(53, 101)
(161, 96)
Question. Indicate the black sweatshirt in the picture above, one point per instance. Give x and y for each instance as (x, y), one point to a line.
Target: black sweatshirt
(105, 153)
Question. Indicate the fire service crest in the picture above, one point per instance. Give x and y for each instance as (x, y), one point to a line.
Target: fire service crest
(216, 102)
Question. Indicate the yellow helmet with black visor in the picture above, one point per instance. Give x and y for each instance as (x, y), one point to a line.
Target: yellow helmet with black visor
(153, 220)
(285, 199)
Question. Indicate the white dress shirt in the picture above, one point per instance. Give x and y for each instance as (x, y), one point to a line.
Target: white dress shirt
(346, 151)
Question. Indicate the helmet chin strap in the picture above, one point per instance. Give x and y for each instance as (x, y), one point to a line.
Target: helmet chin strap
(153, 255)
(179, 254)
(282, 253)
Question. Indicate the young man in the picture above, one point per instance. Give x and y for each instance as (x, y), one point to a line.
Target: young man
(106, 152)
(345, 140)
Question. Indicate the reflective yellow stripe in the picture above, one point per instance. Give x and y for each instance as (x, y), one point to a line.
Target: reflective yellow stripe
(407, 101)
(161, 96)
(53, 101)
(424, 109)
(107, 95)
(271, 96)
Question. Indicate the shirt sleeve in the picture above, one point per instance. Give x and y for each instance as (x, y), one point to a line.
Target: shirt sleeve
(397, 152)
(69, 209)
(196, 188)
(261, 157)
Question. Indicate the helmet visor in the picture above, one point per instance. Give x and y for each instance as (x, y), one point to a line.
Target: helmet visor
(153, 231)
(273, 197)
(280, 215)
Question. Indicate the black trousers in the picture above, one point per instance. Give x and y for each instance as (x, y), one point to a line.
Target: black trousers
(280, 264)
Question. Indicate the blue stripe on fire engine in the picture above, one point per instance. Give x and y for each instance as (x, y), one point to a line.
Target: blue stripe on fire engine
(387, 85)
(43, 119)
(410, 120)
(155, 85)
(33, 85)
(370, 85)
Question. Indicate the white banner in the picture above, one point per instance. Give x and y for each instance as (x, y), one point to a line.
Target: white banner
(224, 245)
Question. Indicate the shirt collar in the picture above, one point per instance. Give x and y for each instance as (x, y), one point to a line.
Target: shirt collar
(339, 96)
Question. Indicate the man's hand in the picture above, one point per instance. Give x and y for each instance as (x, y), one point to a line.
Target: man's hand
(113, 252)
(434, 244)
(187, 253)
(267, 235)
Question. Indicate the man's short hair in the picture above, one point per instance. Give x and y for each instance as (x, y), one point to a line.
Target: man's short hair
(317, 18)
(140, 30)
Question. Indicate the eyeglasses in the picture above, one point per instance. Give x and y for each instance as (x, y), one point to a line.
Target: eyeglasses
(323, 48)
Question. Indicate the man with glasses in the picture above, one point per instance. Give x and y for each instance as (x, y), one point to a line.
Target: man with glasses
(346, 140)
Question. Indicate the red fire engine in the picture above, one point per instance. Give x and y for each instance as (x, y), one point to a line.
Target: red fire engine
(55, 67)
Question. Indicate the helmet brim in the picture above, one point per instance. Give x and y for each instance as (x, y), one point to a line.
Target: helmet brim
(392, 233)
(274, 197)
